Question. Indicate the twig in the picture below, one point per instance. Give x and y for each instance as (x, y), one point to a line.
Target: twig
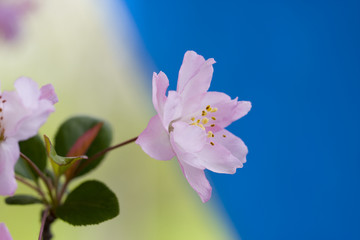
(44, 217)
(99, 154)
(37, 189)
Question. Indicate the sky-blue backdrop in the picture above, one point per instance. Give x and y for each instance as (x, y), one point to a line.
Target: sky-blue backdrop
(299, 64)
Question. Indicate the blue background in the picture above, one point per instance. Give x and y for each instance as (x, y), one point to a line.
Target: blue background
(298, 62)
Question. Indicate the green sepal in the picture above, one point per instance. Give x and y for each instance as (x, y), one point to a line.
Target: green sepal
(90, 203)
(60, 164)
(22, 199)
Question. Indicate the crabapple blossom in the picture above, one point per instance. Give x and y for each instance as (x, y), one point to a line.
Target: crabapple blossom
(190, 124)
(22, 112)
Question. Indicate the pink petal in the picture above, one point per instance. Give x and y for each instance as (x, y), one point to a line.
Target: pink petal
(195, 75)
(4, 232)
(48, 93)
(154, 140)
(218, 159)
(160, 83)
(197, 180)
(187, 137)
(228, 110)
(26, 109)
(9, 154)
(242, 108)
(28, 91)
(172, 108)
(29, 125)
(231, 142)
(13, 112)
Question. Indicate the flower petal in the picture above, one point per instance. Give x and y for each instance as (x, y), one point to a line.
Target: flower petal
(187, 137)
(197, 180)
(48, 92)
(160, 83)
(195, 75)
(29, 125)
(27, 108)
(154, 140)
(28, 91)
(228, 110)
(218, 159)
(4, 232)
(231, 142)
(172, 108)
(9, 154)
(242, 108)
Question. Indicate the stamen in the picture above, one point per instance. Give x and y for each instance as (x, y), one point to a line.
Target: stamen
(203, 113)
(213, 118)
(192, 119)
(212, 143)
(212, 125)
(202, 126)
(208, 108)
(214, 110)
(210, 134)
(205, 120)
(224, 135)
(198, 121)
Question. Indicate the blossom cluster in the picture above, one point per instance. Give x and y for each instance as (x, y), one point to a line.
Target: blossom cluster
(189, 125)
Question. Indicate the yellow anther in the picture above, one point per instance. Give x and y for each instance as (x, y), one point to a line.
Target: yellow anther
(198, 121)
(208, 107)
(210, 134)
(224, 135)
(213, 118)
(214, 110)
(202, 126)
(205, 120)
(212, 125)
(203, 113)
(194, 123)
(212, 143)
(192, 119)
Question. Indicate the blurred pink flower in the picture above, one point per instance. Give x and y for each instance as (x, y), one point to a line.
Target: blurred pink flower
(22, 112)
(190, 125)
(4, 232)
(11, 16)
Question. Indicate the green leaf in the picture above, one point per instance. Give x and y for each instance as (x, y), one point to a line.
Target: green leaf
(22, 200)
(34, 149)
(71, 130)
(60, 164)
(90, 203)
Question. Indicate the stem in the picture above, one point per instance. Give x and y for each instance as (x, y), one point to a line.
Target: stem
(36, 169)
(88, 161)
(41, 175)
(36, 188)
(46, 225)
(44, 216)
(101, 153)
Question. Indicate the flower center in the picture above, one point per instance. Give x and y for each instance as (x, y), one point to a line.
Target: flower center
(206, 120)
(2, 127)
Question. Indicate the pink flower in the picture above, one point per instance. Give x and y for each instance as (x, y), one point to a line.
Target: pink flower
(22, 112)
(4, 232)
(10, 17)
(190, 125)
